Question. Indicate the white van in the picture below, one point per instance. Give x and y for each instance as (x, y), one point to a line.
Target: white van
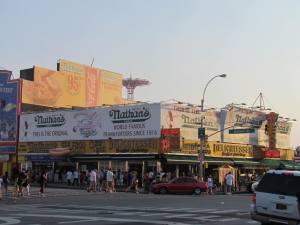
(277, 198)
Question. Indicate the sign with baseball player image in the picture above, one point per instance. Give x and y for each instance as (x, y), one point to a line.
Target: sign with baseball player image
(9, 101)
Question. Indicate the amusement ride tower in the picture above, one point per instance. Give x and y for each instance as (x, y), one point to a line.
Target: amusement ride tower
(130, 84)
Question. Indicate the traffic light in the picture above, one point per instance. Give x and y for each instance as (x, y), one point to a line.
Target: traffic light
(201, 133)
(266, 129)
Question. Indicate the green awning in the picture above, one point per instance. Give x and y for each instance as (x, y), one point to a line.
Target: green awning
(290, 165)
(194, 159)
(245, 161)
(218, 160)
(272, 163)
(182, 158)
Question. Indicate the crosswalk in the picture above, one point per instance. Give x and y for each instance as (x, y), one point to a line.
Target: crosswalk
(188, 215)
(36, 194)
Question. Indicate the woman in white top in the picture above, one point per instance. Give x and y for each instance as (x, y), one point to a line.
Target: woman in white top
(210, 184)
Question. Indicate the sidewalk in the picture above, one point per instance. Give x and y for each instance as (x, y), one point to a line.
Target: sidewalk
(123, 189)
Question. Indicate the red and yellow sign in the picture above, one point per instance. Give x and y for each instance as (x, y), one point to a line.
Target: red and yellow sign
(216, 149)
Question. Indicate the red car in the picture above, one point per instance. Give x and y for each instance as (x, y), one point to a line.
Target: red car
(180, 185)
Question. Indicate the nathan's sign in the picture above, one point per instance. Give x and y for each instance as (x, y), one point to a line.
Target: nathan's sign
(140, 121)
(189, 121)
(50, 121)
(241, 117)
(129, 115)
(248, 126)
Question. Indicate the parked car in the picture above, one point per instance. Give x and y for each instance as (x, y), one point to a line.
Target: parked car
(180, 185)
(277, 198)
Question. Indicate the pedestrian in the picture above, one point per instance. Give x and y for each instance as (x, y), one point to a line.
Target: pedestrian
(69, 177)
(119, 179)
(88, 181)
(75, 178)
(93, 180)
(109, 179)
(1, 182)
(19, 182)
(210, 184)
(229, 182)
(42, 181)
(5, 182)
(26, 184)
(146, 183)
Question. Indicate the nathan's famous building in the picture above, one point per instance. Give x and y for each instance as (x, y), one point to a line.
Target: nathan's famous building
(75, 117)
(160, 137)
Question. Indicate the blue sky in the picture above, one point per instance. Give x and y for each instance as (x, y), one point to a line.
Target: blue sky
(177, 45)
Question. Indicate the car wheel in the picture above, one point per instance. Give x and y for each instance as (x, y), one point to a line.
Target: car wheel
(197, 191)
(163, 190)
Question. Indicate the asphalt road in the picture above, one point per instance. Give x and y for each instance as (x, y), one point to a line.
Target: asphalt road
(61, 206)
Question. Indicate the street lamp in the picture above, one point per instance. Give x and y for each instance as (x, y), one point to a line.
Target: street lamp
(202, 137)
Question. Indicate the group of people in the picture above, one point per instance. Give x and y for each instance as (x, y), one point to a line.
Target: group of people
(108, 180)
(22, 183)
(228, 183)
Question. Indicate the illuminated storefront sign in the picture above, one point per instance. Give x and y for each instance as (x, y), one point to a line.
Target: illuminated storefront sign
(215, 149)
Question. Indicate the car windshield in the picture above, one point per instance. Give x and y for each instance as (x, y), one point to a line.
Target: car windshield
(280, 184)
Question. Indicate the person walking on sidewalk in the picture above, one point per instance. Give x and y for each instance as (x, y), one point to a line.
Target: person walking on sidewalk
(93, 180)
(5, 182)
(229, 182)
(69, 177)
(43, 180)
(110, 182)
(1, 182)
(210, 184)
(75, 178)
(26, 184)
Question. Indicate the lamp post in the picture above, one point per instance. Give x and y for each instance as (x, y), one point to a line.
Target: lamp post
(202, 137)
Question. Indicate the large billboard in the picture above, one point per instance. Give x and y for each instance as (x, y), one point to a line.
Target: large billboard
(72, 85)
(244, 126)
(283, 133)
(139, 121)
(54, 89)
(247, 126)
(188, 119)
(102, 86)
(9, 96)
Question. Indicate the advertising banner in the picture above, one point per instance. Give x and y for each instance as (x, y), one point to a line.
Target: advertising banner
(188, 119)
(53, 88)
(110, 91)
(72, 85)
(119, 122)
(9, 95)
(283, 132)
(102, 86)
(244, 126)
